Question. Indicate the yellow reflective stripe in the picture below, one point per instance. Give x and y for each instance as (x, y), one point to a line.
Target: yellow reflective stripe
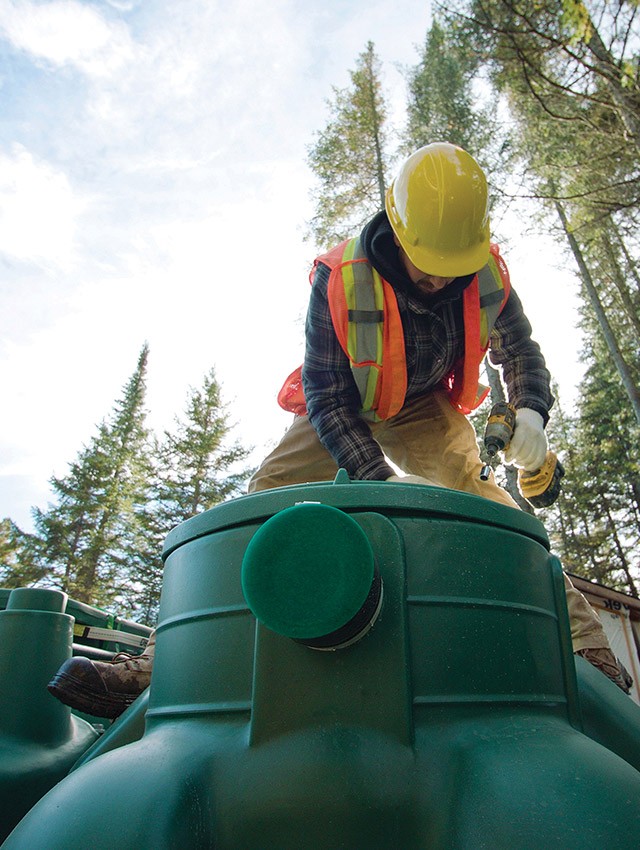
(484, 330)
(350, 294)
(374, 374)
(366, 377)
(378, 291)
(349, 250)
(370, 390)
(490, 281)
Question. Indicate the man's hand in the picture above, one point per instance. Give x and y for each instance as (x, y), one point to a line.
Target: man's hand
(528, 446)
(411, 479)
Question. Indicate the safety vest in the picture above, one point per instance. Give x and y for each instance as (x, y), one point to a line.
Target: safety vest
(366, 319)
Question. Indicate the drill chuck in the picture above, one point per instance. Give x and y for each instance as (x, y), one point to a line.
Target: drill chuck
(493, 445)
(500, 426)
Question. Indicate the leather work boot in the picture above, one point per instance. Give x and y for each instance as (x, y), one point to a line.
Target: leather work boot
(605, 661)
(104, 688)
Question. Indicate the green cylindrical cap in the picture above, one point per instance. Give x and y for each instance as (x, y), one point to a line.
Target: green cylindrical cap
(37, 599)
(307, 570)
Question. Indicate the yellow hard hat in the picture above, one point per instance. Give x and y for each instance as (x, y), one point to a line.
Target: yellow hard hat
(438, 209)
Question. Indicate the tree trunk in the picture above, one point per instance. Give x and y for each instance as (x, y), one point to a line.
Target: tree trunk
(607, 331)
(620, 283)
(631, 262)
(377, 123)
(624, 563)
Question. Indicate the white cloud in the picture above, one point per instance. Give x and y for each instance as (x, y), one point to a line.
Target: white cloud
(206, 74)
(38, 211)
(66, 32)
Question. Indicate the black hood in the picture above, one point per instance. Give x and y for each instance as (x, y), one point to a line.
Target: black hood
(382, 252)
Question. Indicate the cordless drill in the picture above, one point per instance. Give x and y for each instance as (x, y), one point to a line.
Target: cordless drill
(542, 487)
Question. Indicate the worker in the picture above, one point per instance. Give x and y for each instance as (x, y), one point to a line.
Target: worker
(398, 323)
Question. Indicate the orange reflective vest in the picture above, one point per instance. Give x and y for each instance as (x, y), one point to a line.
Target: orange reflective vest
(366, 319)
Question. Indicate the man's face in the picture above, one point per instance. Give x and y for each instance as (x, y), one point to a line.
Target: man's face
(426, 284)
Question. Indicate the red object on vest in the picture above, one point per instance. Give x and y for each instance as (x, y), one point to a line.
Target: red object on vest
(291, 396)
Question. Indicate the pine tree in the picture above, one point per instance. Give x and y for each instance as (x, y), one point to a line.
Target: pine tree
(596, 522)
(194, 458)
(350, 156)
(19, 557)
(195, 468)
(612, 337)
(443, 105)
(96, 501)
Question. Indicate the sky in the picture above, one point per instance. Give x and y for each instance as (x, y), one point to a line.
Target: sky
(154, 188)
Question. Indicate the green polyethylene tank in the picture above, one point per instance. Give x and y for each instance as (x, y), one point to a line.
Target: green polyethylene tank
(450, 721)
(39, 737)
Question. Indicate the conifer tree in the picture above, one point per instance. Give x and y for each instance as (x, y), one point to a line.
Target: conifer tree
(195, 459)
(96, 501)
(350, 157)
(596, 522)
(19, 556)
(443, 106)
(196, 467)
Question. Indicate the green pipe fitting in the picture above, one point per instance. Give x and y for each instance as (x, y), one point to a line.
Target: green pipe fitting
(39, 738)
(36, 637)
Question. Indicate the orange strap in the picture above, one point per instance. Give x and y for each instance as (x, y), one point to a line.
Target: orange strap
(394, 373)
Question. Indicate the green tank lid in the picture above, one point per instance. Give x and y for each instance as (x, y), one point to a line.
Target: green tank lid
(380, 496)
(307, 571)
(37, 599)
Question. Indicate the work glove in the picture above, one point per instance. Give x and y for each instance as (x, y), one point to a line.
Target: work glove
(410, 479)
(528, 446)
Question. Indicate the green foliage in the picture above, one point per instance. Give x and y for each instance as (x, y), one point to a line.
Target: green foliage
(101, 540)
(193, 461)
(578, 126)
(443, 101)
(566, 71)
(195, 468)
(576, 19)
(96, 502)
(19, 556)
(349, 157)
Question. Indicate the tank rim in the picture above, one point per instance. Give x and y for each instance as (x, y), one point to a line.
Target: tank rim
(356, 497)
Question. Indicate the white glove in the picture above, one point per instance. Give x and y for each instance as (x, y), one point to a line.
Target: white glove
(411, 479)
(528, 446)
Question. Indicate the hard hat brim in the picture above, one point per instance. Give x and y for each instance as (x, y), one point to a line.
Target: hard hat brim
(463, 262)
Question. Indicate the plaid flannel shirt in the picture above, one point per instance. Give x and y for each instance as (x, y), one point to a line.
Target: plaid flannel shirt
(434, 342)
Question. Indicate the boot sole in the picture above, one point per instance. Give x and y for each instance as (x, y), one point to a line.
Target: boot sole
(75, 693)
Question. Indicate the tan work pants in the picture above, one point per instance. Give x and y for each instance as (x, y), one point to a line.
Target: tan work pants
(428, 438)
